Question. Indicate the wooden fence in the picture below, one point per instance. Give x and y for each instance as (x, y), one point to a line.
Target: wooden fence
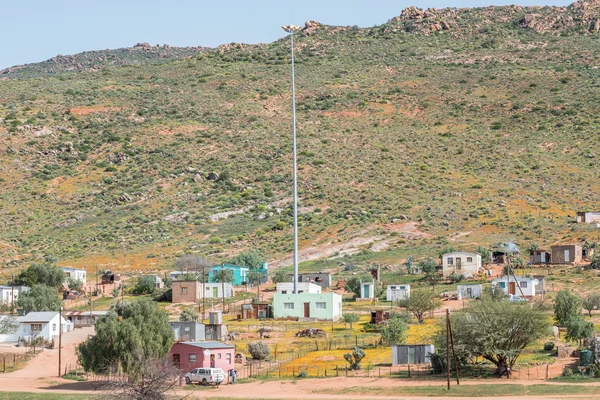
(12, 361)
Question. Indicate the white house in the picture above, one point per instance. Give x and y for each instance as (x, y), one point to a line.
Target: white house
(519, 285)
(36, 324)
(75, 273)
(215, 290)
(397, 292)
(461, 262)
(469, 291)
(182, 275)
(302, 287)
(158, 282)
(367, 290)
(308, 306)
(6, 295)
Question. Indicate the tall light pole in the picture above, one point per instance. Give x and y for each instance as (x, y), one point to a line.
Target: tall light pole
(291, 29)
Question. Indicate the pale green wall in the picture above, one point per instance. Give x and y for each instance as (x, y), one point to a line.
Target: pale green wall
(332, 311)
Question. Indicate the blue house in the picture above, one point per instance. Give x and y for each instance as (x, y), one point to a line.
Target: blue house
(240, 274)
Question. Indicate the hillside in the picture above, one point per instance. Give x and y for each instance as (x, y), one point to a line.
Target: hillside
(141, 53)
(410, 137)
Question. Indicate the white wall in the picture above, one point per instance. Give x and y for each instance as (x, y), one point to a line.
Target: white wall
(6, 294)
(397, 292)
(529, 290)
(75, 273)
(450, 263)
(302, 287)
(208, 288)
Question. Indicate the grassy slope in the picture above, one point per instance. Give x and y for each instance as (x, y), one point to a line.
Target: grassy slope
(460, 133)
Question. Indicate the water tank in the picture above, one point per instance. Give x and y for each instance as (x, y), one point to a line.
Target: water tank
(215, 318)
(585, 358)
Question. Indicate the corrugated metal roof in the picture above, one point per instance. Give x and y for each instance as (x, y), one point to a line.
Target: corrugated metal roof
(45, 316)
(75, 313)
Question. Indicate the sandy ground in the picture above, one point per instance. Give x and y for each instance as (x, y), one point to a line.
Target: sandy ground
(42, 370)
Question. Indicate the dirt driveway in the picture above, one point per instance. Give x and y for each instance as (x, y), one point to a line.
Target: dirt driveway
(43, 369)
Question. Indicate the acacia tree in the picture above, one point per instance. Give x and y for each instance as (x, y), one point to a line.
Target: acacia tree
(394, 332)
(192, 263)
(144, 334)
(42, 274)
(250, 259)
(420, 302)
(223, 274)
(566, 305)
(497, 331)
(280, 276)
(350, 318)
(188, 315)
(8, 325)
(38, 298)
(591, 302)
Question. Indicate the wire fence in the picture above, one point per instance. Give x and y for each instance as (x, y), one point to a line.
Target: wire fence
(13, 361)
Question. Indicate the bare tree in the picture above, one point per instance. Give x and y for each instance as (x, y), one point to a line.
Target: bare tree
(8, 325)
(153, 380)
(192, 263)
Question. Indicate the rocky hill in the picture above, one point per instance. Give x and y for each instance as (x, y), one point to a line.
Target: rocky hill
(90, 61)
(454, 126)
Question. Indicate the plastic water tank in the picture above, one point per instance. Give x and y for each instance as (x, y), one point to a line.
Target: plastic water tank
(585, 358)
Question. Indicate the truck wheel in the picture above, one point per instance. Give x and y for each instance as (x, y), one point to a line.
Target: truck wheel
(187, 381)
(204, 382)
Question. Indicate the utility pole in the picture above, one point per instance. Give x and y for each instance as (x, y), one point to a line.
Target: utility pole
(291, 29)
(97, 280)
(452, 344)
(448, 347)
(223, 284)
(12, 302)
(59, 339)
(203, 292)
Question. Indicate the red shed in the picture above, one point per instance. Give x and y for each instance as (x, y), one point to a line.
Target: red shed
(189, 355)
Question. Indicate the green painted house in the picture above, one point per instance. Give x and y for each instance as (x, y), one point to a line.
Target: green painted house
(320, 306)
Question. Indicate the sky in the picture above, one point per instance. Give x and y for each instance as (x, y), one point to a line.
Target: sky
(36, 30)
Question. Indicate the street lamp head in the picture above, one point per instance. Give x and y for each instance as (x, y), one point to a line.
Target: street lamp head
(291, 28)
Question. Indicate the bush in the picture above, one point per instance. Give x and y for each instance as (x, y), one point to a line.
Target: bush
(303, 374)
(549, 346)
(567, 372)
(259, 350)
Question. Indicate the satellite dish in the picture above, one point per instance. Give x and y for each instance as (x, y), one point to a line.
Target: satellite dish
(535, 281)
(206, 353)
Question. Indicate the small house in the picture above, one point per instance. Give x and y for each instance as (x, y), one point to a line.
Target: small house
(461, 262)
(301, 287)
(8, 295)
(308, 306)
(240, 274)
(397, 292)
(158, 282)
(469, 291)
(188, 331)
(518, 285)
(501, 252)
(367, 290)
(191, 291)
(43, 324)
(408, 354)
(257, 310)
(539, 256)
(566, 254)
(189, 355)
(588, 217)
(75, 274)
(81, 319)
(322, 279)
(109, 278)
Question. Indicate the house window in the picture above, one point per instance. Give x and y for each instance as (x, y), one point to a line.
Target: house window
(320, 305)
(36, 327)
(228, 358)
(284, 292)
(392, 287)
(469, 259)
(192, 358)
(288, 306)
(503, 285)
(53, 327)
(186, 328)
(218, 356)
(450, 260)
(184, 290)
(523, 284)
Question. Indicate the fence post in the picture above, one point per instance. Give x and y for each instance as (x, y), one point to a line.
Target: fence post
(336, 370)
(346, 368)
(408, 370)
(547, 371)
(380, 372)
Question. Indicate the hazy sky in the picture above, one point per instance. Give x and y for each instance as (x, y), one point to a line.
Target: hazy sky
(35, 30)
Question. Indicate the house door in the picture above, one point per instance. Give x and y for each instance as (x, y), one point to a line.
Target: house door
(411, 355)
(366, 292)
(215, 292)
(176, 360)
(469, 292)
(567, 256)
(511, 288)
(306, 310)
(458, 263)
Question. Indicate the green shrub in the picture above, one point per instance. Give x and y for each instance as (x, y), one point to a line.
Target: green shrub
(548, 346)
